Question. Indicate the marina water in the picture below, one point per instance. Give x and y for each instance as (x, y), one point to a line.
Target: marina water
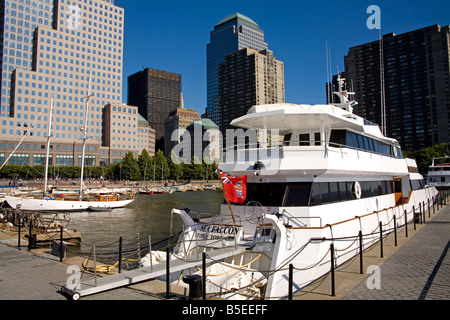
(148, 215)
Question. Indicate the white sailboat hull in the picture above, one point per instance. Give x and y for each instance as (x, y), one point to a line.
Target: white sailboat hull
(62, 205)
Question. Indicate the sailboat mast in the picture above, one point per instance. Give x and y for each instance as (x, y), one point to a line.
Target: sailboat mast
(85, 137)
(49, 136)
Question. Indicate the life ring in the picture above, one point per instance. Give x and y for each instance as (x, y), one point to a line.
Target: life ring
(356, 190)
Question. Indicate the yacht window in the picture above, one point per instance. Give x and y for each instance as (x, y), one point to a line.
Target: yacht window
(334, 192)
(345, 191)
(304, 139)
(268, 194)
(352, 140)
(297, 195)
(315, 195)
(337, 138)
(317, 139)
(287, 139)
(324, 193)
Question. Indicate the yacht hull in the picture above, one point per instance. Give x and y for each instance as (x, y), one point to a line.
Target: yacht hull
(31, 204)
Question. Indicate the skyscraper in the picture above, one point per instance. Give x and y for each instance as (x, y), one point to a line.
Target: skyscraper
(248, 77)
(50, 47)
(156, 93)
(231, 34)
(416, 82)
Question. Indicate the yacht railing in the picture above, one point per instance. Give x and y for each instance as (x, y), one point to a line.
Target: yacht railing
(257, 151)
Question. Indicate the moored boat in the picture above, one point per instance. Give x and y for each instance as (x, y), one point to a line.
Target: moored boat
(326, 177)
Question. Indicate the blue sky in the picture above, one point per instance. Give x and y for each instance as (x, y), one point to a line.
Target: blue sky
(172, 36)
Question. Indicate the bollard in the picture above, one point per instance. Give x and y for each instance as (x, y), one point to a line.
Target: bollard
(395, 230)
(361, 267)
(61, 244)
(414, 211)
(291, 276)
(333, 287)
(204, 276)
(381, 239)
(120, 254)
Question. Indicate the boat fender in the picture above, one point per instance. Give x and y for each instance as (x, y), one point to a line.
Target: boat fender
(356, 190)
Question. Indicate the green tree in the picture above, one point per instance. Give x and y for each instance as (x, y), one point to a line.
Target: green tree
(176, 169)
(161, 169)
(130, 167)
(145, 165)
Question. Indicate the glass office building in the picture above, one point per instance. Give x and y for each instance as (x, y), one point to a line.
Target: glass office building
(50, 47)
(233, 33)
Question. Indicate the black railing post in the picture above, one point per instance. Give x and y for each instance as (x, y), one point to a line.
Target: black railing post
(29, 234)
(167, 273)
(406, 224)
(361, 266)
(61, 245)
(291, 280)
(18, 236)
(381, 239)
(424, 212)
(120, 255)
(395, 230)
(204, 276)
(420, 213)
(333, 287)
(414, 211)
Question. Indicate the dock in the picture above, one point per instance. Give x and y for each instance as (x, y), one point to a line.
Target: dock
(123, 279)
(417, 269)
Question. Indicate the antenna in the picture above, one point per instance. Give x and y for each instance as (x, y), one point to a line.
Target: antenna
(382, 87)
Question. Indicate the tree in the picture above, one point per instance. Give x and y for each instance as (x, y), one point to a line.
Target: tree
(145, 164)
(161, 170)
(176, 169)
(130, 167)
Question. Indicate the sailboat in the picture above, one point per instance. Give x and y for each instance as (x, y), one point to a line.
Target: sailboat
(101, 199)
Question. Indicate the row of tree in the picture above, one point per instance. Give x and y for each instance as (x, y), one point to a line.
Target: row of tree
(144, 168)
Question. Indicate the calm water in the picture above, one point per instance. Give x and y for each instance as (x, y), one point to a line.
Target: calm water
(147, 215)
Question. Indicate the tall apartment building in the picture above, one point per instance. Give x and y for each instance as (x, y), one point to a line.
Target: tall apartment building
(416, 81)
(50, 47)
(248, 77)
(156, 93)
(231, 34)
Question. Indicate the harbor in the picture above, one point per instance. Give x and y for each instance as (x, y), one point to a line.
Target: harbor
(413, 265)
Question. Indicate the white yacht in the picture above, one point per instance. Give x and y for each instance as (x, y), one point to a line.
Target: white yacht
(330, 176)
(439, 174)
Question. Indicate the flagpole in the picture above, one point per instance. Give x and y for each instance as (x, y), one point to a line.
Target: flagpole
(225, 193)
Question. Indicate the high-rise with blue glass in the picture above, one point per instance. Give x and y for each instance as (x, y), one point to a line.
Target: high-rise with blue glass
(233, 33)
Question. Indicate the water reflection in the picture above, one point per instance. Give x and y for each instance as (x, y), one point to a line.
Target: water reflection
(147, 215)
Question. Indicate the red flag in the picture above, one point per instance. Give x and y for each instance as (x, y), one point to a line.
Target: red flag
(235, 188)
